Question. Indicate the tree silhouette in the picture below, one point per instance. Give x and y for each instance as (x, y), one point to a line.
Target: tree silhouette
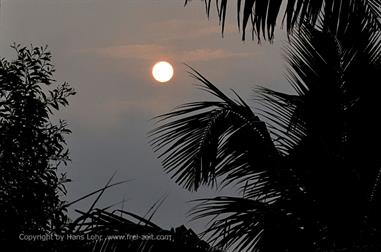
(32, 145)
(308, 170)
(264, 14)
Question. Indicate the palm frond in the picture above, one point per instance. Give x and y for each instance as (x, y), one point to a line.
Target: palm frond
(202, 141)
(250, 225)
(279, 109)
(235, 221)
(263, 15)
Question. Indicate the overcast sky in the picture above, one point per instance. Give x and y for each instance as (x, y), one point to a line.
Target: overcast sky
(105, 49)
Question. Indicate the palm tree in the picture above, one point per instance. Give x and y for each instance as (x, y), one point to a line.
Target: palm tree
(263, 14)
(307, 164)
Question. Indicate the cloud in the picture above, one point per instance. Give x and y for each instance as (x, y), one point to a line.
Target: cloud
(152, 52)
(133, 51)
(179, 29)
(209, 54)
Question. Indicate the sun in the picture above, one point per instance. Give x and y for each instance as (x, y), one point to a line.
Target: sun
(162, 71)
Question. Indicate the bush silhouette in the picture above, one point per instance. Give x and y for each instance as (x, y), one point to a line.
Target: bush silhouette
(32, 145)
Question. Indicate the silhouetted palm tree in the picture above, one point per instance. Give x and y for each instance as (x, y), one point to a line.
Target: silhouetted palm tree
(310, 180)
(263, 14)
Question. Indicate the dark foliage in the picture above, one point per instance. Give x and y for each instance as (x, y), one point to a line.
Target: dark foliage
(32, 145)
(263, 15)
(119, 230)
(310, 181)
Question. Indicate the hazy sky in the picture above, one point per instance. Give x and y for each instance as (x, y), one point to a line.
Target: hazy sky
(105, 49)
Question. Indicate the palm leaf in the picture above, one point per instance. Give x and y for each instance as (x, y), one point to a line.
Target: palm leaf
(263, 15)
(250, 225)
(202, 141)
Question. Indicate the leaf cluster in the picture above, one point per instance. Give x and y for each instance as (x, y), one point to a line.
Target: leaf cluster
(32, 145)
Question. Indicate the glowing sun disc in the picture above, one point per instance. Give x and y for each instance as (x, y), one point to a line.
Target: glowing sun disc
(162, 71)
